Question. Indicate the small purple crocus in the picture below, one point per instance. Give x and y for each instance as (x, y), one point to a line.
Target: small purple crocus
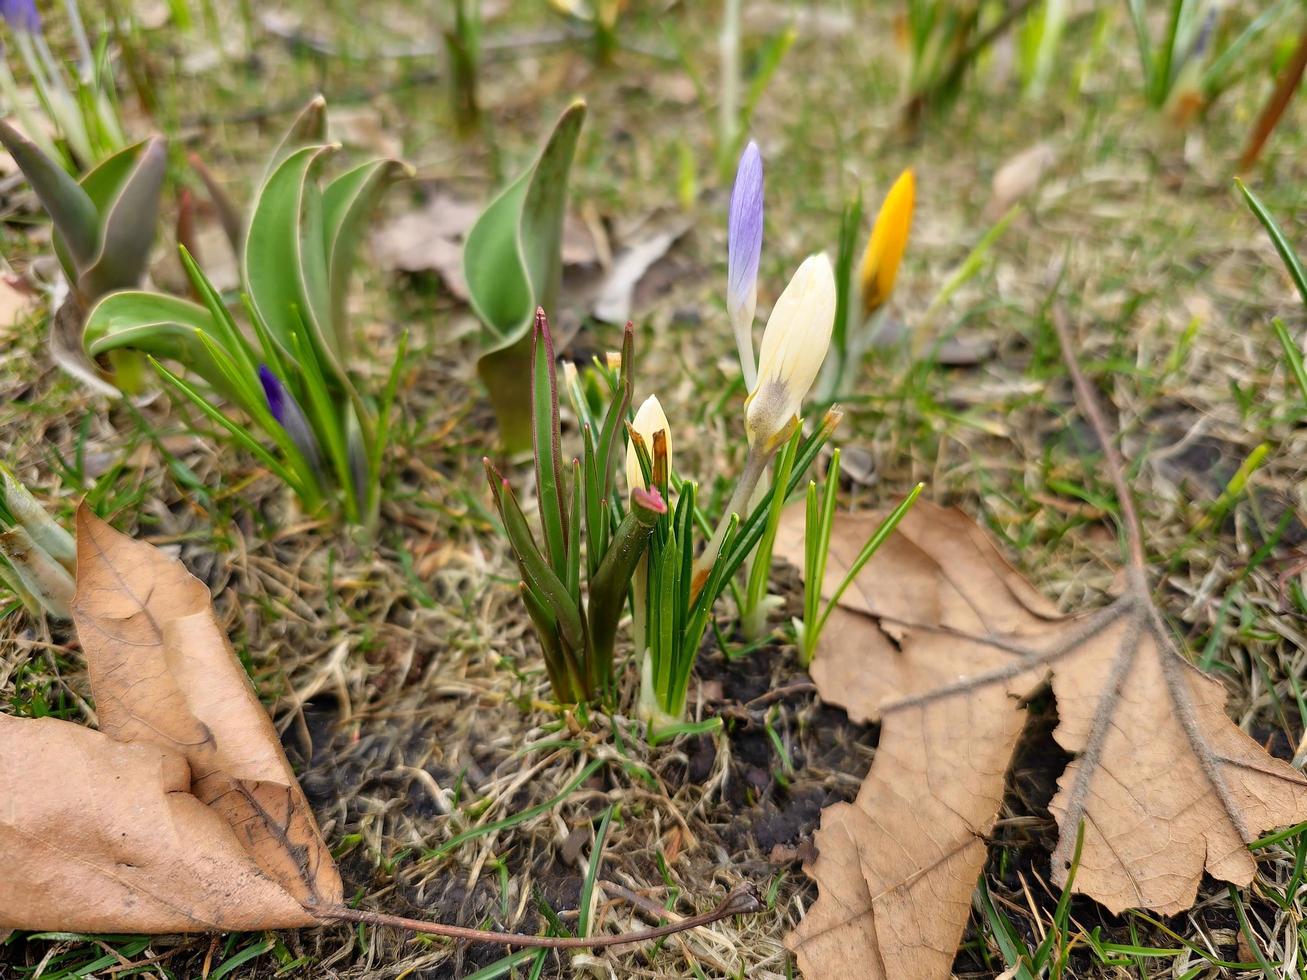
(743, 251)
(286, 410)
(21, 15)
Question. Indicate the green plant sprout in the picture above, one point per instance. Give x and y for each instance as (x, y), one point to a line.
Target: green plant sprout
(674, 602)
(462, 34)
(601, 17)
(945, 39)
(38, 558)
(1038, 42)
(576, 617)
(1201, 54)
(819, 519)
(1294, 267)
(82, 111)
(677, 600)
(294, 379)
(512, 259)
(104, 229)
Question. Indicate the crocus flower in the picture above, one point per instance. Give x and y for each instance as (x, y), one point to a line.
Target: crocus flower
(649, 419)
(743, 249)
(793, 347)
(889, 237)
(286, 410)
(21, 15)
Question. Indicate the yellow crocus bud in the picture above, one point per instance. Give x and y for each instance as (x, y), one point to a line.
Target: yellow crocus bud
(793, 347)
(649, 420)
(889, 237)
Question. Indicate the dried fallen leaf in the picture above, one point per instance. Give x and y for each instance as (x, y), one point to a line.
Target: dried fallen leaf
(181, 814)
(616, 293)
(101, 837)
(942, 642)
(162, 671)
(16, 303)
(1019, 176)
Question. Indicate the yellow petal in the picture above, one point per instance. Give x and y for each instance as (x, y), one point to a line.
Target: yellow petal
(889, 237)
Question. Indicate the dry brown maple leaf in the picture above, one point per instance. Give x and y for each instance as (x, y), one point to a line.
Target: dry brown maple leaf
(181, 813)
(942, 641)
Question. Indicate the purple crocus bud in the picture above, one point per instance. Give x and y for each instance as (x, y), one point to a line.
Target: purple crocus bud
(743, 250)
(286, 410)
(21, 15)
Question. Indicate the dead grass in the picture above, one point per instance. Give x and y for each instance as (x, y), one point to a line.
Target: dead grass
(404, 676)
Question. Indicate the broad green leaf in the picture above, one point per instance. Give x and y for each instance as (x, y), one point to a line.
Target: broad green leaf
(309, 128)
(513, 263)
(127, 224)
(102, 184)
(285, 261)
(347, 203)
(69, 206)
(164, 327)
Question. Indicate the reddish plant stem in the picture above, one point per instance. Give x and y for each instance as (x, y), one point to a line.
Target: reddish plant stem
(1279, 101)
(741, 901)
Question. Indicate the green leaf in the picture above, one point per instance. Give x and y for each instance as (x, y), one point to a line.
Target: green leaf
(163, 326)
(238, 434)
(347, 203)
(102, 184)
(285, 261)
(69, 206)
(546, 441)
(611, 582)
(536, 573)
(127, 224)
(309, 128)
(513, 263)
(1287, 254)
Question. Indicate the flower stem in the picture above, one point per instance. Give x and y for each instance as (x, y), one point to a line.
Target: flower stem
(754, 466)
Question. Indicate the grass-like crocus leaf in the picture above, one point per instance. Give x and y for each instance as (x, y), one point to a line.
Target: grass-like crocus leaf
(69, 206)
(347, 202)
(287, 224)
(1292, 264)
(513, 263)
(612, 581)
(547, 443)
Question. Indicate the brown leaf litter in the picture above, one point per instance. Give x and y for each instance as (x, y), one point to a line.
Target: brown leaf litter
(943, 643)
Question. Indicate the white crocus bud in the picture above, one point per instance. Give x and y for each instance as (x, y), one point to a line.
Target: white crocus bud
(793, 347)
(649, 419)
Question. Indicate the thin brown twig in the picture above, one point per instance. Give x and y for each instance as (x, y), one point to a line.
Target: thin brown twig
(742, 901)
(1092, 410)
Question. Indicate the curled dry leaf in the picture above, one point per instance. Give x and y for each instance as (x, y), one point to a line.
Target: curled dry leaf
(1019, 176)
(942, 641)
(181, 814)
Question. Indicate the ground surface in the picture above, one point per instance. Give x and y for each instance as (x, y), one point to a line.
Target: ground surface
(404, 676)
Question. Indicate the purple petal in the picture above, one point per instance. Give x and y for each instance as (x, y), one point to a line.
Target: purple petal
(286, 410)
(275, 392)
(21, 15)
(744, 230)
